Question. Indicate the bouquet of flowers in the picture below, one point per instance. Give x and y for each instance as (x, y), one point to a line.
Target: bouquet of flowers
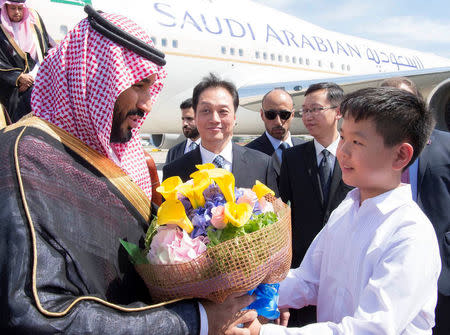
(210, 239)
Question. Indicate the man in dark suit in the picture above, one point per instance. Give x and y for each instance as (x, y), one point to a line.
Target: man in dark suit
(189, 130)
(310, 176)
(429, 177)
(277, 112)
(215, 102)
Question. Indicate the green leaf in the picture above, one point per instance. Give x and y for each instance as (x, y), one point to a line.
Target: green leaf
(151, 231)
(136, 255)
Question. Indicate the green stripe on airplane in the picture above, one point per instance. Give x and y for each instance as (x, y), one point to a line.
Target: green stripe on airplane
(74, 2)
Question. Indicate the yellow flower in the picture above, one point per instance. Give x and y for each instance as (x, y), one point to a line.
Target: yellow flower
(238, 214)
(225, 180)
(261, 190)
(172, 212)
(169, 188)
(194, 188)
(206, 166)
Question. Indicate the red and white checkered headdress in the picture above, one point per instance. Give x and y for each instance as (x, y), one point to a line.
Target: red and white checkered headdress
(79, 82)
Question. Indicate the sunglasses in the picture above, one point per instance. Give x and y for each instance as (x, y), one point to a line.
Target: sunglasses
(271, 114)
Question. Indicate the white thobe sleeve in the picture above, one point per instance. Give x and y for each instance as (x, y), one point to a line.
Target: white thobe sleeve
(300, 286)
(401, 293)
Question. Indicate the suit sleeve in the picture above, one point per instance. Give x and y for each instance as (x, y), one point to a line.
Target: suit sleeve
(284, 182)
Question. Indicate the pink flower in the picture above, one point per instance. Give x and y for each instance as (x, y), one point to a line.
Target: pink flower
(172, 245)
(265, 206)
(248, 197)
(218, 217)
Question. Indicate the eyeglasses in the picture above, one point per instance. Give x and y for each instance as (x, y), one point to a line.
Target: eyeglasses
(271, 114)
(314, 110)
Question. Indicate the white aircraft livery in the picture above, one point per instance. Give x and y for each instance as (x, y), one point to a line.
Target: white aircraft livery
(258, 48)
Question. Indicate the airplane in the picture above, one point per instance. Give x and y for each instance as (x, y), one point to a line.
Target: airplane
(258, 48)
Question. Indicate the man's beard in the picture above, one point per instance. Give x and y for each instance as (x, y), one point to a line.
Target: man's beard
(119, 135)
(190, 132)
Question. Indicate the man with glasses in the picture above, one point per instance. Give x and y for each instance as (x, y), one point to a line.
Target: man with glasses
(310, 176)
(277, 112)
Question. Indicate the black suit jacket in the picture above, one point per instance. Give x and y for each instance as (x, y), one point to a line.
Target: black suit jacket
(433, 196)
(176, 151)
(300, 184)
(263, 144)
(248, 166)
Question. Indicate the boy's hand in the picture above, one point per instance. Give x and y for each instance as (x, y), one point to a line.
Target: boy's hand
(284, 317)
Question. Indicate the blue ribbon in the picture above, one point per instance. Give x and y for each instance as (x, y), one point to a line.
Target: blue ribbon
(266, 303)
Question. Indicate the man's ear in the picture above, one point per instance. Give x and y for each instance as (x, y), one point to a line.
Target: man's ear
(338, 113)
(262, 114)
(403, 155)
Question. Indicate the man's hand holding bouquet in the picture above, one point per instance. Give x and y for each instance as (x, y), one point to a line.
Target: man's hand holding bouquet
(210, 240)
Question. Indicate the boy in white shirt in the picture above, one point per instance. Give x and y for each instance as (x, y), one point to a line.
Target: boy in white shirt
(373, 269)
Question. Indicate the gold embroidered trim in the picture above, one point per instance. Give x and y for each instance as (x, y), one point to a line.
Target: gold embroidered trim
(115, 174)
(16, 47)
(45, 126)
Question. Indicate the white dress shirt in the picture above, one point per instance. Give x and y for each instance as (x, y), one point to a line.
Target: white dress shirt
(276, 143)
(373, 269)
(188, 144)
(227, 154)
(332, 148)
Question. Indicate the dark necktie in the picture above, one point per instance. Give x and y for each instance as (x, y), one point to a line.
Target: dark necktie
(193, 146)
(219, 162)
(283, 146)
(325, 174)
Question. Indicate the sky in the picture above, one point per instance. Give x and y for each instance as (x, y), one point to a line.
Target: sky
(419, 25)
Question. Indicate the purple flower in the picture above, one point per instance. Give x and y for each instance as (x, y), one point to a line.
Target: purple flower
(214, 194)
(201, 221)
(187, 206)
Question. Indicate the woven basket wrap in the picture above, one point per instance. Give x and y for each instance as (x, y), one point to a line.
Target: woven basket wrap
(236, 265)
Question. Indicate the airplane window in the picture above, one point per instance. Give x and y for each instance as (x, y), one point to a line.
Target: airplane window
(331, 65)
(241, 52)
(231, 51)
(257, 54)
(265, 55)
(272, 56)
(164, 42)
(294, 59)
(174, 43)
(319, 63)
(287, 59)
(224, 50)
(348, 67)
(300, 60)
(307, 61)
(343, 67)
(153, 39)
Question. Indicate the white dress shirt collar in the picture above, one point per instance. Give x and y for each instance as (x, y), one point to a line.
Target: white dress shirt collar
(188, 143)
(226, 153)
(276, 142)
(386, 201)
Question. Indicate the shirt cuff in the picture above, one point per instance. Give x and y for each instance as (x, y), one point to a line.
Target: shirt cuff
(203, 320)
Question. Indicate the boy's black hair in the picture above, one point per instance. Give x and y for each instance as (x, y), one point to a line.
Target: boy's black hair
(335, 93)
(214, 81)
(398, 115)
(186, 104)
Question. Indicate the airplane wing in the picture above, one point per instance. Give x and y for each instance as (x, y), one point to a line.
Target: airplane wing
(434, 84)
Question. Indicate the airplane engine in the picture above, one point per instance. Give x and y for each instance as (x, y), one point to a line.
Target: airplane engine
(166, 141)
(439, 103)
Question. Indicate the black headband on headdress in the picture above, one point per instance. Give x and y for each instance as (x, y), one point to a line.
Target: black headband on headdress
(120, 36)
(18, 1)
